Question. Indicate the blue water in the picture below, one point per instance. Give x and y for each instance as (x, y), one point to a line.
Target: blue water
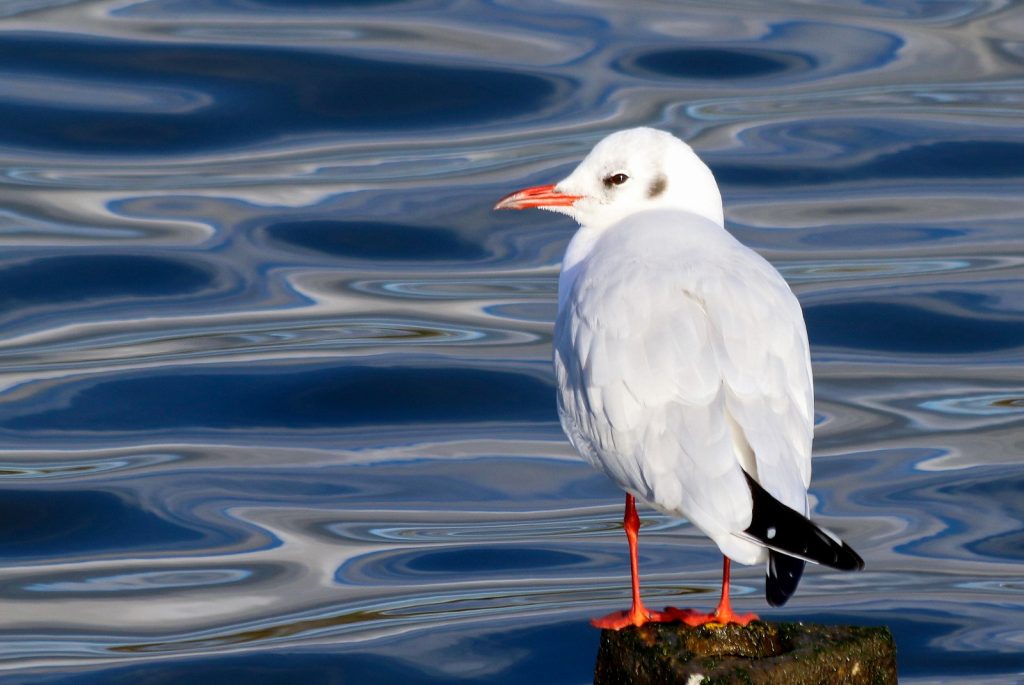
(275, 395)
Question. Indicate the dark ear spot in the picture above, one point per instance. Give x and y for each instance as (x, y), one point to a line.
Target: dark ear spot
(658, 186)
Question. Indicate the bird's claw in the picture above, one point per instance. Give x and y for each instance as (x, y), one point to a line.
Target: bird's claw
(695, 618)
(636, 616)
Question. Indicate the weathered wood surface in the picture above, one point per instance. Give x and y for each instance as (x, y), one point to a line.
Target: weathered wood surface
(758, 654)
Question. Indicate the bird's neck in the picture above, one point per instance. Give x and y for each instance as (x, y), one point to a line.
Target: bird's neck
(579, 247)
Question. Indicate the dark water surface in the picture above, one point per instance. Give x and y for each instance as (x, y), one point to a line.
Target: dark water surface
(275, 396)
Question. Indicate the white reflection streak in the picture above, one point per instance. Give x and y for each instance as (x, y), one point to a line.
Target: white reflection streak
(328, 305)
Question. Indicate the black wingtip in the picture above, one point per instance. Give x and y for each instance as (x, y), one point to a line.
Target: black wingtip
(782, 577)
(784, 530)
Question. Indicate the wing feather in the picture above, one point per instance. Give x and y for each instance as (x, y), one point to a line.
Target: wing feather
(765, 364)
(679, 354)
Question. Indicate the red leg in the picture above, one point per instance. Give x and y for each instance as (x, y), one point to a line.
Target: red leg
(638, 614)
(723, 613)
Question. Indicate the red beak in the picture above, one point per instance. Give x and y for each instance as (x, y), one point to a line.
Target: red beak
(537, 196)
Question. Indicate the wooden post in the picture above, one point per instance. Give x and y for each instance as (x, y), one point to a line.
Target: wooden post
(757, 654)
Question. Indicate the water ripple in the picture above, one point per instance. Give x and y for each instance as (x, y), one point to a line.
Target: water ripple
(275, 381)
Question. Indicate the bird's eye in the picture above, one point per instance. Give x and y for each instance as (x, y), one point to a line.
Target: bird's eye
(615, 180)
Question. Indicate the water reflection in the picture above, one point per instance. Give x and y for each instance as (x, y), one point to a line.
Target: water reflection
(288, 397)
(715, 64)
(275, 383)
(375, 240)
(285, 93)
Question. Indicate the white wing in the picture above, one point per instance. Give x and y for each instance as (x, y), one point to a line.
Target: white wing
(681, 357)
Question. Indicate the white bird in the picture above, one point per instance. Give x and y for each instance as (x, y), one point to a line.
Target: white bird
(682, 364)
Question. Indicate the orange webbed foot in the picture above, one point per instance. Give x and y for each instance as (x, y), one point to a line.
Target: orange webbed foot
(617, 620)
(696, 618)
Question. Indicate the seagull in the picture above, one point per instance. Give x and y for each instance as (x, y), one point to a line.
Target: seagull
(683, 367)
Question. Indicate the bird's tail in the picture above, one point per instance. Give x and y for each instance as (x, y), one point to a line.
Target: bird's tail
(792, 539)
(782, 577)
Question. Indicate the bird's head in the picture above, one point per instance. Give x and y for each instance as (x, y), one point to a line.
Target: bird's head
(628, 171)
